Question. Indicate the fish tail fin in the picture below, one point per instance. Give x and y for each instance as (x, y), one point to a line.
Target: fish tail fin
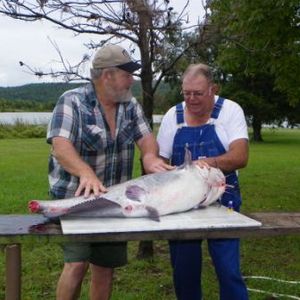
(153, 213)
(34, 206)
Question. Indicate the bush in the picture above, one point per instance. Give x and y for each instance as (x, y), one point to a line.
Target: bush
(22, 130)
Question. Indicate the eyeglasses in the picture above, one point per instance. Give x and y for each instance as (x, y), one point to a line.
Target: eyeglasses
(196, 94)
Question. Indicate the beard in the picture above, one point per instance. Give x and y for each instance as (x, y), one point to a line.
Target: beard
(123, 96)
(119, 96)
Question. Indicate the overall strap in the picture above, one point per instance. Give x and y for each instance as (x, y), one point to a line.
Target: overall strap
(217, 108)
(179, 114)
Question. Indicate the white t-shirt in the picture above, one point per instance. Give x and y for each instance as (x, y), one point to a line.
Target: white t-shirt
(230, 126)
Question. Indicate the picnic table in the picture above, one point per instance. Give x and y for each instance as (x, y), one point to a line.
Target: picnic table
(18, 229)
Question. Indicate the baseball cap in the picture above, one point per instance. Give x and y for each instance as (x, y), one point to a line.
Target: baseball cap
(114, 56)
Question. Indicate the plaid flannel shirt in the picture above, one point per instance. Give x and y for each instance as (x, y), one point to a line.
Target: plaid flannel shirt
(79, 117)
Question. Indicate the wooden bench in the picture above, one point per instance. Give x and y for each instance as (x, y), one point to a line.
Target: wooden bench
(18, 229)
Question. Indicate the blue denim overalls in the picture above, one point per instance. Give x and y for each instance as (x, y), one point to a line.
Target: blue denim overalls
(186, 256)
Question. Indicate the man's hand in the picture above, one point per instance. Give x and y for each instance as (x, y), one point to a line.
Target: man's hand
(202, 163)
(90, 184)
(68, 157)
(154, 164)
(151, 161)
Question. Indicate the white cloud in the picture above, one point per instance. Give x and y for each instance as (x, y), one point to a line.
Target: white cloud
(29, 42)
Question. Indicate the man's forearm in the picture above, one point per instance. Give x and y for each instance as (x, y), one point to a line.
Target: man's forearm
(148, 146)
(151, 161)
(235, 158)
(69, 159)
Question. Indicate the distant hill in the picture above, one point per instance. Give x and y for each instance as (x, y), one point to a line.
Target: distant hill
(45, 92)
(50, 92)
(43, 96)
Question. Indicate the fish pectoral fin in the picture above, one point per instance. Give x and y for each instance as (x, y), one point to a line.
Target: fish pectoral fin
(153, 213)
(95, 204)
(135, 192)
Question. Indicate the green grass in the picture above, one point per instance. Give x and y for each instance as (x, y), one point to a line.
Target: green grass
(271, 179)
(269, 183)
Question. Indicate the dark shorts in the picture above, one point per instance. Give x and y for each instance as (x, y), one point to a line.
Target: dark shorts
(106, 254)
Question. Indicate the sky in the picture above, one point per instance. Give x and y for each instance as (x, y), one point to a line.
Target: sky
(30, 42)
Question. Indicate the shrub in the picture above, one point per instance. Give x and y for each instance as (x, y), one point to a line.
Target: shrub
(22, 130)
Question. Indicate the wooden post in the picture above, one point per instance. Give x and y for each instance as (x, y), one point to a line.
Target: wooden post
(13, 272)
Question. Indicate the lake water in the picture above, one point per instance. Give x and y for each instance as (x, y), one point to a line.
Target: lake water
(39, 117)
(25, 117)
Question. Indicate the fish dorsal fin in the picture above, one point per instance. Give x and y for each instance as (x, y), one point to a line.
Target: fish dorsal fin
(187, 158)
(135, 192)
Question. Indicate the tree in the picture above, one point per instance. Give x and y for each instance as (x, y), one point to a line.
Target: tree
(203, 39)
(259, 51)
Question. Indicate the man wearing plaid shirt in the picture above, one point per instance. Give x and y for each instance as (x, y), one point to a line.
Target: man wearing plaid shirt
(93, 132)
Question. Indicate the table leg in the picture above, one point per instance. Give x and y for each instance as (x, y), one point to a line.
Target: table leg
(13, 272)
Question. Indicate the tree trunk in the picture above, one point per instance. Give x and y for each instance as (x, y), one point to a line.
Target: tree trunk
(256, 125)
(148, 97)
(145, 250)
(145, 22)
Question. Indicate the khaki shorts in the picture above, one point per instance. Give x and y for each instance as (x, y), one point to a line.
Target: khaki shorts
(106, 254)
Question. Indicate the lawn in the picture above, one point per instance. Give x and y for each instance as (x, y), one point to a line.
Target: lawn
(269, 183)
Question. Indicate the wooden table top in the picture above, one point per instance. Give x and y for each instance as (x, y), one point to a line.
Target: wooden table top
(23, 228)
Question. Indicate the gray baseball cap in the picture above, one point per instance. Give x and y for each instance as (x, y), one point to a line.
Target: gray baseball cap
(114, 56)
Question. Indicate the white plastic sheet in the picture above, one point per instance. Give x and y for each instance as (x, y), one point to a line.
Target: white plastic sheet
(212, 217)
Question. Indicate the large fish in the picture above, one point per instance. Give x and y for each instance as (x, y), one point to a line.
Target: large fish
(153, 195)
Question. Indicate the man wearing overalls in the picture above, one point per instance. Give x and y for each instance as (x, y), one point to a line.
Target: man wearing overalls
(215, 131)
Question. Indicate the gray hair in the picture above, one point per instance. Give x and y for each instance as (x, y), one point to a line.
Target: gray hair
(96, 73)
(195, 70)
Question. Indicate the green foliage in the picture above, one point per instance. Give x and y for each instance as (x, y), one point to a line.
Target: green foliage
(269, 183)
(258, 51)
(260, 37)
(162, 102)
(25, 105)
(22, 130)
(41, 92)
